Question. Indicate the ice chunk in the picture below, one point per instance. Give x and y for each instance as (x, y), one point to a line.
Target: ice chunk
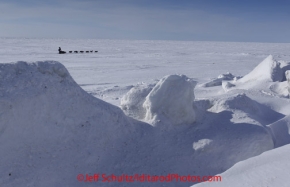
(132, 102)
(218, 81)
(171, 98)
(202, 144)
(227, 85)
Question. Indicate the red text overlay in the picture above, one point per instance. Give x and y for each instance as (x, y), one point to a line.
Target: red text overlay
(146, 178)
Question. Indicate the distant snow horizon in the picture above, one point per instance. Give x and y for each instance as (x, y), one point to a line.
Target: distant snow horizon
(160, 40)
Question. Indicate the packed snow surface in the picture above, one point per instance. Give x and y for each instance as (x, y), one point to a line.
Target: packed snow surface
(268, 169)
(55, 122)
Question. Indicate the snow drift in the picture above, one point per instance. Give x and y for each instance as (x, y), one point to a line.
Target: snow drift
(269, 70)
(271, 168)
(244, 108)
(51, 128)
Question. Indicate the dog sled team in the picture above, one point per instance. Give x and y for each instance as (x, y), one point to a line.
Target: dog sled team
(63, 52)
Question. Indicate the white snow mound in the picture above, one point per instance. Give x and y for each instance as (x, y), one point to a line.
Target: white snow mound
(50, 127)
(244, 107)
(171, 99)
(236, 102)
(269, 71)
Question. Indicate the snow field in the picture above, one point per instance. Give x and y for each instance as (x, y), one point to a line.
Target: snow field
(50, 127)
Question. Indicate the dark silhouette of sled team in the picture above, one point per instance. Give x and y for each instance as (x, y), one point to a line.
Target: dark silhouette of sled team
(63, 52)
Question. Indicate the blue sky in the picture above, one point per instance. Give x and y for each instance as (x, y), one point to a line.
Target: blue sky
(200, 20)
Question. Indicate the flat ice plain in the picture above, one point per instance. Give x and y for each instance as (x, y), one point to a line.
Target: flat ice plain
(234, 121)
(125, 63)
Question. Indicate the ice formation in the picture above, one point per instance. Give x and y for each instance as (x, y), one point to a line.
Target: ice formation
(201, 145)
(281, 131)
(218, 81)
(287, 74)
(171, 99)
(51, 130)
(268, 70)
(132, 102)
